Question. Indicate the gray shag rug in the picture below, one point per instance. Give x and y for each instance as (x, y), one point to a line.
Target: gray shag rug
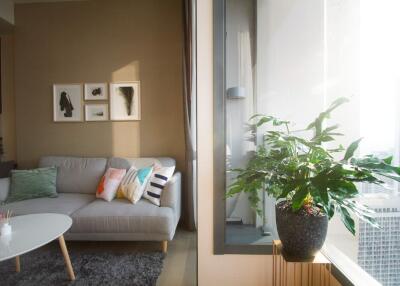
(46, 267)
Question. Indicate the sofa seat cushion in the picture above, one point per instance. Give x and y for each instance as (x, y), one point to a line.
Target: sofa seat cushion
(64, 204)
(121, 216)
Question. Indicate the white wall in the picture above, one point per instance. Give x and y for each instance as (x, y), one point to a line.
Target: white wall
(7, 10)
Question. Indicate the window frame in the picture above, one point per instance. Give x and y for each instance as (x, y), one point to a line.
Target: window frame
(219, 140)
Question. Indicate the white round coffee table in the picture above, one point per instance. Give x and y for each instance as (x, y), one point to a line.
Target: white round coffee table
(30, 232)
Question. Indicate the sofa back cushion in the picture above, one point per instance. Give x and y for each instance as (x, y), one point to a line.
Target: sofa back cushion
(76, 175)
(126, 163)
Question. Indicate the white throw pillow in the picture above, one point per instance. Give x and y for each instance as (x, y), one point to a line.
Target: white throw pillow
(134, 183)
(157, 183)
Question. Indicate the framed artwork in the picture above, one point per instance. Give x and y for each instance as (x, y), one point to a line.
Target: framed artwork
(125, 101)
(96, 91)
(67, 103)
(96, 112)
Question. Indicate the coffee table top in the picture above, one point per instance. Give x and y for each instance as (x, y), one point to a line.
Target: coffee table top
(32, 231)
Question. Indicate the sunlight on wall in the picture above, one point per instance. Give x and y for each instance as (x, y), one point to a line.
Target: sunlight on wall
(125, 137)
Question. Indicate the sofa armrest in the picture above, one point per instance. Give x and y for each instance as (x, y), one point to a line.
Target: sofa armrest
(171, 195)
(4, 188)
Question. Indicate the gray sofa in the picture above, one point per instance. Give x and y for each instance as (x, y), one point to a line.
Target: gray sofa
(96, 219)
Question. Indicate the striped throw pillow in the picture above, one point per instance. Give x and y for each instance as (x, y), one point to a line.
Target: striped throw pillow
(156, 184)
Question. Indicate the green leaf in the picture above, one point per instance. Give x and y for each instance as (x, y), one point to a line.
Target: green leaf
(317, 124)
(347, 220)
(256, 115)
(375, 164)
(362, 212)
(301, 169)
(288, 188)
(331, 128)
(351, 149)
(393, 177)
(336, 103)
(263, 120)
(277, 122)
(388, 160)
(326, 138)
(298, 198)
(233, 190)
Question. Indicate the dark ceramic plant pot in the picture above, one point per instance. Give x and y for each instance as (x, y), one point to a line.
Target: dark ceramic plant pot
(302, 236)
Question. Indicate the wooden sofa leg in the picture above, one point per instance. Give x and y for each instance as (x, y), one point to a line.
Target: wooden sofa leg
(164, 246)
(17, 264)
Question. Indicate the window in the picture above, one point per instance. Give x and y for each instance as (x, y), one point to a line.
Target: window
(362, 58)
(290, 59)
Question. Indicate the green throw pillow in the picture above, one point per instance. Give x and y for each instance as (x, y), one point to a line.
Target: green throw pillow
(31, 184)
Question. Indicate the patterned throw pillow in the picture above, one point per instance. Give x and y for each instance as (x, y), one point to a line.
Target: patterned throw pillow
(156, 184)
(109, 183)
(129, 178)
(134, 183)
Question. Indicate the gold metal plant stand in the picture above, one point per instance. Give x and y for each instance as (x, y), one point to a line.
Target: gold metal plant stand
(315, 272)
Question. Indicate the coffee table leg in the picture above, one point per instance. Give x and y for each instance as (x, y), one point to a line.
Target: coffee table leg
(66, 257)
(17, 264)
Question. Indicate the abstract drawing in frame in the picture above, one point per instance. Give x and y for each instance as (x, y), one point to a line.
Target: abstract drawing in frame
(125, 101)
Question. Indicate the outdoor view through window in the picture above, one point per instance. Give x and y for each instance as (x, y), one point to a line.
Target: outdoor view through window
(377, 73)
(291, 59)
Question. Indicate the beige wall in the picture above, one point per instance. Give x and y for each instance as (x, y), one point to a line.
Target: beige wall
(99, 41)
(240, 270)
(7, 118)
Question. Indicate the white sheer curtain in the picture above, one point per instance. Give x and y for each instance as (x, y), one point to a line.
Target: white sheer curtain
(240, 40)
(237, 139)
(380, 76)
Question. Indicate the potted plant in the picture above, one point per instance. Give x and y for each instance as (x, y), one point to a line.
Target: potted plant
(310, 185)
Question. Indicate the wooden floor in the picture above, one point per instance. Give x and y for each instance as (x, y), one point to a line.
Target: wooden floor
(180, 264)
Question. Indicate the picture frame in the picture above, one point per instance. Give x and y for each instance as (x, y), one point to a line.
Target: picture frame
(96, 91)
(125, 101)
(96, 112)
(67, 103)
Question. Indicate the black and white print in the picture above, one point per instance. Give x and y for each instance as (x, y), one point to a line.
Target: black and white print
(67, 102)
(125, 101)
(96, 91)
(96, 112)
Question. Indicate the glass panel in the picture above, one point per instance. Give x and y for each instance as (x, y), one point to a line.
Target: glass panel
(363, 59)
(242, 225)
